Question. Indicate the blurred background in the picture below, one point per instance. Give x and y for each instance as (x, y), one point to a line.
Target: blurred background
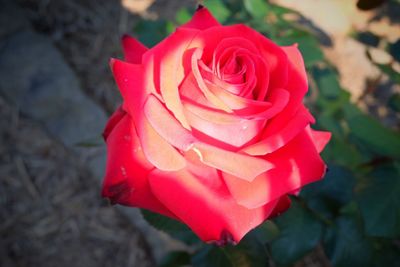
(56, 91)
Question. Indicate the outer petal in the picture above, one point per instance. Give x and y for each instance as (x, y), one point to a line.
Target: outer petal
(210, 212)
(282, 205)
(275, 139)
(167, 62)
(297, 80)
(221, 125)
(320, 138)
(166, 125)
(112, 121)
(134, 90)
(202, 19)
(126, 181)
(133, 49)
(297, 164)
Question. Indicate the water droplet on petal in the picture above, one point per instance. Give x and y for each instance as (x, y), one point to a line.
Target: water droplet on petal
(123, 171)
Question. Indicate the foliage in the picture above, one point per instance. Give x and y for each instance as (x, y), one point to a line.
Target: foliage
(354, 212)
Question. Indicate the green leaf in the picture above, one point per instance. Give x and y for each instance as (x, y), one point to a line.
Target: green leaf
(332, 192)
(256, 8)
(378, 138)
(182, 16)
(394, 50)
(246, 254)
(394, 102)
(211, 256)
(345, 244)
(151, 32)
(172, 227)
(379, 201)
(387, 68)
(250, 252)
(300, 232)
(307, 45)
(218, 9)
(327, 82)
(386, 254)
(176, 259)
(343, 153)
(265, 232)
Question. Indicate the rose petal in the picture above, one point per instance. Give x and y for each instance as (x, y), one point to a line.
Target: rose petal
(227, 161)
(125, 180)
(296, 164)
(203, 121)
(210, 212)
(202, 19)
(130, 80)
(297, 80)
(133, 49)
(273, 140)
(202, 85)
(220, 125)
(167, 62)
(167, 128)
(166, 125)
(238, 103)
(320, 138)
(283, 204)
(271, 53)
(112, 121)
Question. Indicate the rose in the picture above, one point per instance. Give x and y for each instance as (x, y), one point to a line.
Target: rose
(212, 130)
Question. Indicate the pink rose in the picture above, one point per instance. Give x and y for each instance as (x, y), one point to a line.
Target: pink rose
(212, 131)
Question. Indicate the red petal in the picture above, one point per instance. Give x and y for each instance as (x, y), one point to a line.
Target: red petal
(134, 90)
(283, 204)
(166, 125)
(166, 63)
(297, 80)
(272, 54)
(125, 180)
(112, 121)
(202, 19)
(196, 56)
(133, 49)
(237, 164)
(210, 212)
(220, 125)
(320, 138)
(296, 164)
(275, 137)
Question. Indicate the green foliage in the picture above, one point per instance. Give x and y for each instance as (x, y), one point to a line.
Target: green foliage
(382, 218)
(218, 9)
(300, 231)
(354, 212)
(345, 244)
(170, 226)
(176, 259)
(250, 252)
(256, 8)
(327, 196)
(373, 134)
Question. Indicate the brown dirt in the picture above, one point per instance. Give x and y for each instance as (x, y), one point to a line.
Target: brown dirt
(51, 210)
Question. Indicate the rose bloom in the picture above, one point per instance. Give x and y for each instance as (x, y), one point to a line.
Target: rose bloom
(212, 130)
